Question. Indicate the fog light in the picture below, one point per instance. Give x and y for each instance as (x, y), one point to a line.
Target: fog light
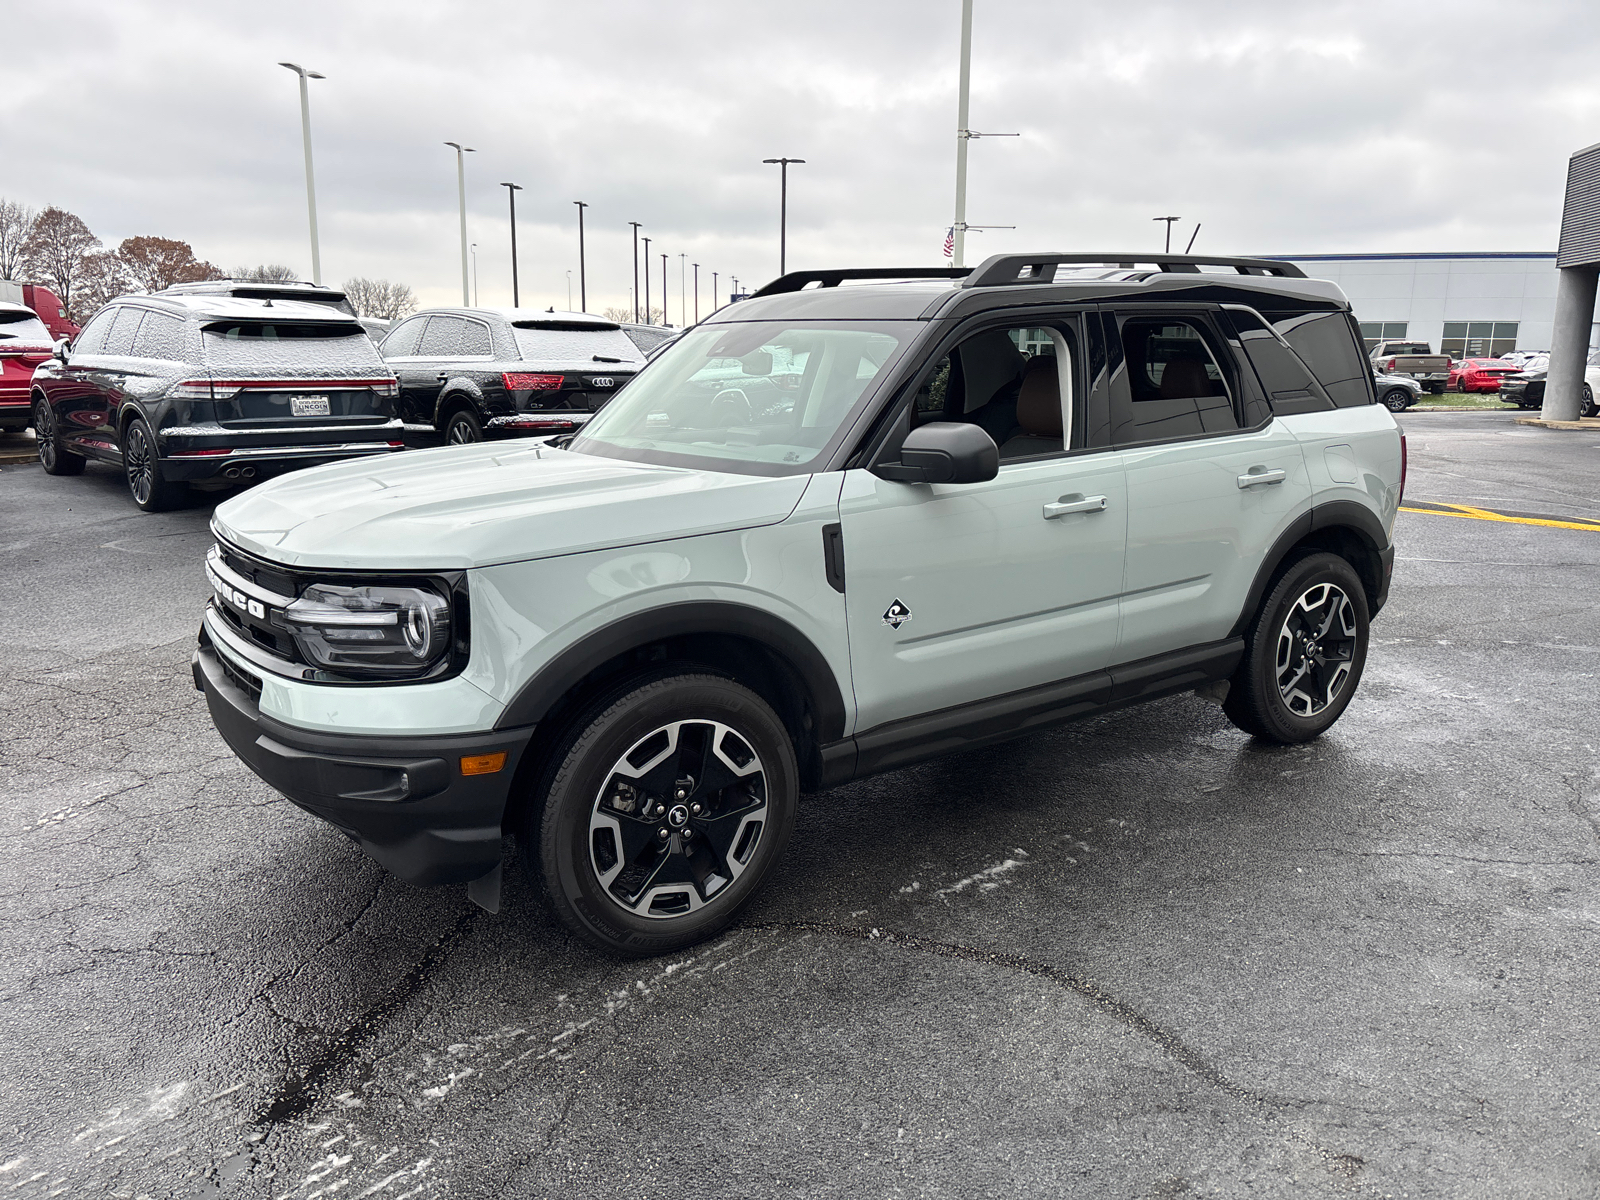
(483, 764)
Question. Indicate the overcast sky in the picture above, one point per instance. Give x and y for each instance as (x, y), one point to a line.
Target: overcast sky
(1311, 127)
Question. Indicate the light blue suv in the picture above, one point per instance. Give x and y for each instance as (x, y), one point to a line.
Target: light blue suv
(861, 519)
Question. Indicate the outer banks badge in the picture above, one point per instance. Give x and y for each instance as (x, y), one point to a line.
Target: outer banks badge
(896, 615)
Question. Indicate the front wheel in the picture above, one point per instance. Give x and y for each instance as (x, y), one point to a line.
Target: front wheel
(52, 457)
(1587, 408)
(662, 812)
(1304, 652)
(1397, 400)
(152, 491)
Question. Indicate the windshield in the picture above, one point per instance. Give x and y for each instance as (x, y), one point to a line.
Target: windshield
(756, 395)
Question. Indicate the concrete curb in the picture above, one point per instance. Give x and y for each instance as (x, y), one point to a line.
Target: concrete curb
(1456, 408)
(11, 459)
(1580, 423)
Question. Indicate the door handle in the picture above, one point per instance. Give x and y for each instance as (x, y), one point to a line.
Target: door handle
(441, 378)
(1075, 503)
(1260, 475)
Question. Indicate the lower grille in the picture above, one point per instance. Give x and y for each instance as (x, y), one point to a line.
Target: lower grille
(243, 680)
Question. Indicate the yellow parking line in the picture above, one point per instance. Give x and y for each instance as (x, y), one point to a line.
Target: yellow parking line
(1484, 514)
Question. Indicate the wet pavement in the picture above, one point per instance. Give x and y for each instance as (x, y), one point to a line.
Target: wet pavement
(1135, 957)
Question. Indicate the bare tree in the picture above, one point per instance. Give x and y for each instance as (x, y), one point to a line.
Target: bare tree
(620, 315)
(54, 251)
(380, 298)
(103, 278)
(265, 273)
(15, 221)
(155, 263)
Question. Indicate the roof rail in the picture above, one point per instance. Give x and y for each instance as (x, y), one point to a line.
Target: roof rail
(1004, 270)
(795, 280)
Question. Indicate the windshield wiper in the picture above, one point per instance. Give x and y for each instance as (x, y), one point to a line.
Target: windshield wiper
(603, 358)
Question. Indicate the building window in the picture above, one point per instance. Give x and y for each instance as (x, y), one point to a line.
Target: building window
(1478, 339)
(1373, 332)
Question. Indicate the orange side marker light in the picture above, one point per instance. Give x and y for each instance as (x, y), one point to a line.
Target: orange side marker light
(483, 764)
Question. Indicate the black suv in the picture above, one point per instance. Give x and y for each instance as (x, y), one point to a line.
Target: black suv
(474, 373)
(212, 390)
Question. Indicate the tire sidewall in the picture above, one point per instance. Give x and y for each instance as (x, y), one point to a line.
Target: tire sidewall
(583, 762)
(1397, 394)
(1282, 724)
(467, 417)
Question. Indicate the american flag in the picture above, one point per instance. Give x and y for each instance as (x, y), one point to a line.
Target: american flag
(950, 243)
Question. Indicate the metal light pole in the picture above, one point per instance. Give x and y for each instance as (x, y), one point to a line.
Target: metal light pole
(569, 289)
(697, 293)
(1169, 221)
(713, 291)
(583, 277)
(647, 318)
(474, 249)
(683, 289)
(311, 179)
(783, 202)
(635, 225)
(511, 194)
(959, 249)
(664, 320)
(461, 188)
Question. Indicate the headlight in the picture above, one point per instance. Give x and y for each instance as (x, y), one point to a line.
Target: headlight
(372, 630)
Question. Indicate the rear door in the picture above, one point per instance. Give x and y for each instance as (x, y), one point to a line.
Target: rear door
(75, 394)
(1213, 479)
(400, 349)
(452, 347)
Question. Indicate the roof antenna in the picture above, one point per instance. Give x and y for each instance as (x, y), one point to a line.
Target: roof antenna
(269, 302)
(1192, 237)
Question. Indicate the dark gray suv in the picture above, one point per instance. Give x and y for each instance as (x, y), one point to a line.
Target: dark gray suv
(212, 390)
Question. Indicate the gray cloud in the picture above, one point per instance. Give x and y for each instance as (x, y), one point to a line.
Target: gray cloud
(1327, 127)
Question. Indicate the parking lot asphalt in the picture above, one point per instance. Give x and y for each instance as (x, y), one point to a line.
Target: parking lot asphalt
(1140, 956)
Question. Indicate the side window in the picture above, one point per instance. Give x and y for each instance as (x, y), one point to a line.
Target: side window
(1326, 343)
(159, 336)
(1289, 386)
(1173, 384)
(92, 337)
(403, 340)
(444, 338)
(120, 339)
(475, 339)
(1016, 384)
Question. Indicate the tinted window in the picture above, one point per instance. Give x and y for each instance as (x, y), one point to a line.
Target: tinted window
(446, 338)
(23, 327)
(314, 347)
(1174, 386)
(1325, 343)
(120, 339)
(1289, 386)
(647, 339)
(159, 336)
(403, 339)
(92, 338)
(572, 344)
(475, 339)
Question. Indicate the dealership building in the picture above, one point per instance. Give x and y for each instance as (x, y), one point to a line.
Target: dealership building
(1463, 305)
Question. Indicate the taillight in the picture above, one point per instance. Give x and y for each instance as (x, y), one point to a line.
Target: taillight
(1402, 469)
(516, 381)
(388, 388)
(193, 389)
(1390, 366)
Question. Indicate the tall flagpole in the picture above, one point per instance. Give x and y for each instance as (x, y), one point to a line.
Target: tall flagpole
(963, 136)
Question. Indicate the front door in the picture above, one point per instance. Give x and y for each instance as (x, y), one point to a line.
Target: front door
(956, 593)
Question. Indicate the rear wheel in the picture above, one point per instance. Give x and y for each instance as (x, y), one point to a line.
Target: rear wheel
(463, 428)
(151, 490)
(663, 810)
(1304, 652)
(1586, 407)
(52, 457)
(1397, 400)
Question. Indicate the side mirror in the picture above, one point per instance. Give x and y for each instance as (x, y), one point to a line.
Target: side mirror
(59, 350)
(757, 362)
(944, 452)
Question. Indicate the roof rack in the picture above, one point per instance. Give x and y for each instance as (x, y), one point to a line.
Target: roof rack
(1005, 270)
(796, 280)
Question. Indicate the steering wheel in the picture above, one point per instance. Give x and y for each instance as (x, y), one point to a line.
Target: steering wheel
(730, 406)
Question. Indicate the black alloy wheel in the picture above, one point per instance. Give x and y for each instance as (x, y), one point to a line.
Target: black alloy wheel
(663, 810)
(152, 491)
(462, 429)
(1304, 652)
(1397, 400)
(52, 457)
(1586, 407)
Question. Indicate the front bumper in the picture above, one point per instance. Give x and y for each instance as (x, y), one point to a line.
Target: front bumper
(404, 800)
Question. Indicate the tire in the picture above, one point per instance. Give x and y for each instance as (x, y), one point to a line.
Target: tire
(1397, 400)
(608, 872)
(1586, 406)
(150, 489)
(52, 457)
(462, 428)
(1434, 389)
(1266, 698)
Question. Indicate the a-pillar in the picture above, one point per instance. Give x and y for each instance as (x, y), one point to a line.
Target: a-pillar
(1569, 342)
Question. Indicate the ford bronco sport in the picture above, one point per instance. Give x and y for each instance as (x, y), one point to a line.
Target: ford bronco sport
(830, 531)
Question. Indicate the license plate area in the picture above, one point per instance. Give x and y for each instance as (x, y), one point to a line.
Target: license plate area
(309, 406)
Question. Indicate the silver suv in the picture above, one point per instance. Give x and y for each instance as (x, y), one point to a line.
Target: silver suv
(828, 532)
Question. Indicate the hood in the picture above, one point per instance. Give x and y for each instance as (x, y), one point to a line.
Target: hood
(472, 506)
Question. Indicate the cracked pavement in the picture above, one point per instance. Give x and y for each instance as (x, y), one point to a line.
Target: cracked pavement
(1135, 957)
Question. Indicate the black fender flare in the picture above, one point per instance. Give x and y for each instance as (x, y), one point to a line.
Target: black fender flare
(561, 674)
(1336, 514)
(456, 388)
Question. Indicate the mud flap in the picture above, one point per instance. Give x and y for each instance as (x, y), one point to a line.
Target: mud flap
(484, 891)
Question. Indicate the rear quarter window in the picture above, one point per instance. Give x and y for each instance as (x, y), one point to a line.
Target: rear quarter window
(1290, 387)
(1331, 347)
(288, 344)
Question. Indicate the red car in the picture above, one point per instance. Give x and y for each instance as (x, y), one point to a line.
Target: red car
(25, 343)
(1479, 374)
